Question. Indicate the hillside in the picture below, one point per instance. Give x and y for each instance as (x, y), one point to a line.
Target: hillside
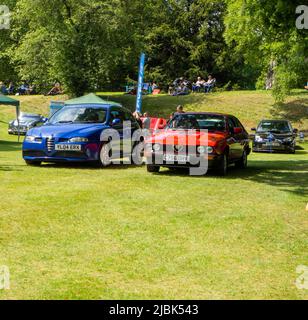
(249, 106)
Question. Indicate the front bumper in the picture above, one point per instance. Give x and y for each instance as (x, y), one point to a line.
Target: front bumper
(38, 152)
(282, 147)
(207, 160)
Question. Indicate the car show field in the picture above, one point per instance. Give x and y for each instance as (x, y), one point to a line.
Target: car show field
(73, 231)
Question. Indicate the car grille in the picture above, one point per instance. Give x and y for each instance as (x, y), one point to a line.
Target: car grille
(50, 144)
(33, 153)
(67, 154)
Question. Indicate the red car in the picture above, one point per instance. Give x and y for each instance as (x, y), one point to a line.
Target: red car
(195, 139)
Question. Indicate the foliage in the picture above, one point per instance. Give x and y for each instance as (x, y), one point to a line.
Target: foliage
(95, 44)
(265, 32)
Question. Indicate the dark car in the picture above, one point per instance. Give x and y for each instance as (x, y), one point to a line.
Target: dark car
(189, 138)
(274, 136)
(27, 121)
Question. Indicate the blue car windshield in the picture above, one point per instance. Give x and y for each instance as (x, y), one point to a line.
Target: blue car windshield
(79, 115)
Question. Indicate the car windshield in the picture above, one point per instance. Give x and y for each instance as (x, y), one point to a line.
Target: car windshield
(79, 115)
(198, 122)
(274, 126)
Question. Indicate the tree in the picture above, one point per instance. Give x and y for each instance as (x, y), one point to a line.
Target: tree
(264, 32)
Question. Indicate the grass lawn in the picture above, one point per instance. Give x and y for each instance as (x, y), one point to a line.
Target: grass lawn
(76, 232)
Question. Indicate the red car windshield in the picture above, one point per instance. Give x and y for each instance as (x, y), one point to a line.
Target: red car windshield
(198, 122)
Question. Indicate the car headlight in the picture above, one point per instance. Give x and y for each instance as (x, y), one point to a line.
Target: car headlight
(259, 139)
(33, 139)
(202, 149)
(78, 139)
(156, 147)
(288, 140)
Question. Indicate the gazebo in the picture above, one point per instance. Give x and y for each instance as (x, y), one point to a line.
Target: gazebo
(5, 100)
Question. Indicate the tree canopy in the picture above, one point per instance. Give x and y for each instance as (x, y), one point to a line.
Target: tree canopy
(95, 44)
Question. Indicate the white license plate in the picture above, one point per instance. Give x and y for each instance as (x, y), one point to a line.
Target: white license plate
(68, 147)
(272, 144)
(176, 158)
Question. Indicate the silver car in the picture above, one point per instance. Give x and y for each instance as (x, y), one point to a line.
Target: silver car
(27, 121)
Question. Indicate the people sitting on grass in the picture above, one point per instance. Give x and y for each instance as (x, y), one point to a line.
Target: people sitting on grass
(180, 87)
(3, 89)
(209, 85)
(22, 89)
(11, 88)
(56, 90)
(198, 85)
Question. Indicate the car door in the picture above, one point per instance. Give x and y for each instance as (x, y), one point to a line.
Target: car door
(233, 141)
(242, 138)
(117, 136)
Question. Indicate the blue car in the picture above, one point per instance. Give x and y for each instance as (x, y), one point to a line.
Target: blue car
(86, 132)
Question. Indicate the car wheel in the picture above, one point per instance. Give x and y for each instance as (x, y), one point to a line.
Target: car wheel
(137, 154)
(152, 169)
(105, 155)
(242, 163)
(33, 163)
(222, 168)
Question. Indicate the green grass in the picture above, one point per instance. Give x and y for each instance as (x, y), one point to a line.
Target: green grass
(76, 232)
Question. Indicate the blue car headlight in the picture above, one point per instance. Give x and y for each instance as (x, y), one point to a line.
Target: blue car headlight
(33, 139)
(288, 140)
(259, 139)
(78, 139)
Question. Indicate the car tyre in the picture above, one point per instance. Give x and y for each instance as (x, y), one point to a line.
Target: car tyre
(242, 163)
(222, 167)
(105, 155)
(33, 163)
(137, 154)
(153, 169)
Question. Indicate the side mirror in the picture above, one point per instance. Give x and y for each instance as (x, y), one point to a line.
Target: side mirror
(161, 126)
(295, 131)
(238, 130)
(45, 120)
(253, 129)
(116, 122)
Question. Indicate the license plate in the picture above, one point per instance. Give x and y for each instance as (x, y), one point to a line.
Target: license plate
(272, 144)
(68, 147)
(176, 158)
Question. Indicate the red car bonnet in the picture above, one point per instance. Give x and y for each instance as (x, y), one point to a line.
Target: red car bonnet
(187, 137)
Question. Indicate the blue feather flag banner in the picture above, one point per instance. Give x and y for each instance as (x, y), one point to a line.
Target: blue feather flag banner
(140, 83)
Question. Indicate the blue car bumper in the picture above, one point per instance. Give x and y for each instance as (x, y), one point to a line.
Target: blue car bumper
(39, 152)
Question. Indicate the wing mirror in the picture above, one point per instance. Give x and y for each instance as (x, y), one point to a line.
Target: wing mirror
(116, 122)
(295, 131)
(45, 120)
(253, 129)
(238, 130)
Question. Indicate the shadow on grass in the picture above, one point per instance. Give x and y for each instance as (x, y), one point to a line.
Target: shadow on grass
(87, 166)
(10, 146)
(296, 110)
(290, 176)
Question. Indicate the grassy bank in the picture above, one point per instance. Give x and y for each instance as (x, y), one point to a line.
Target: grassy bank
(76, 232)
